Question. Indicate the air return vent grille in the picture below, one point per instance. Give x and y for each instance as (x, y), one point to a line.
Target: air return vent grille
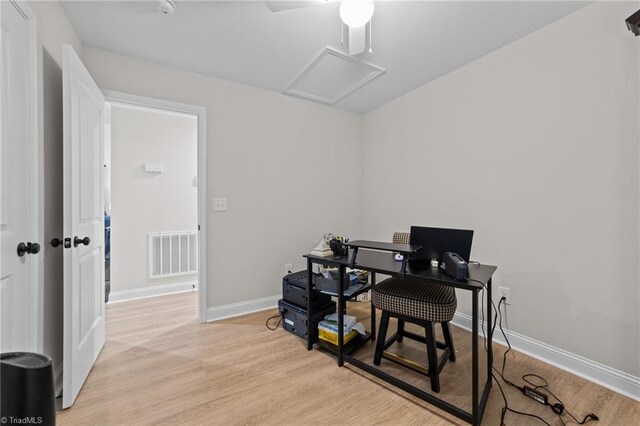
(173, 253)
(331, 76)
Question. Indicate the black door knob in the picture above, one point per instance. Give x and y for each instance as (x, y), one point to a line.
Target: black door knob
(77, 241)
(28, 248)
(55, 242)
(22, 249)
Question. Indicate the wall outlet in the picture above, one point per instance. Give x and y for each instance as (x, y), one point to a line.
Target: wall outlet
(288, 268)
(364, 297)
(219, 204)
(504, 292)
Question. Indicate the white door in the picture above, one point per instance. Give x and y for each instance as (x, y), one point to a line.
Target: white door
(19, 289)
(84, 329)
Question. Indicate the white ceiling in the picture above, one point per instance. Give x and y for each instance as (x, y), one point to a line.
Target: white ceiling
(243, 41)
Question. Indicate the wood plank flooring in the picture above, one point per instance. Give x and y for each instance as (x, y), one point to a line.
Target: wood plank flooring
(161, 366)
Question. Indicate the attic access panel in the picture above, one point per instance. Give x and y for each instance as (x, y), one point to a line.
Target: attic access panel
(331, 76)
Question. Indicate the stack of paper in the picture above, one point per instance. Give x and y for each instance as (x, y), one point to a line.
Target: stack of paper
(330, 323)
(322, 252)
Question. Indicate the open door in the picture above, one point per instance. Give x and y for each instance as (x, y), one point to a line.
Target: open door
(84, 324)
(20, 296)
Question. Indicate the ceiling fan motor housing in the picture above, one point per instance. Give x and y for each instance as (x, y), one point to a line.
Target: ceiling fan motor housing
(167, 6)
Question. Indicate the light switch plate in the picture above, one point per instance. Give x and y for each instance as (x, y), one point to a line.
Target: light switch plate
(219, 204)
(153, 168)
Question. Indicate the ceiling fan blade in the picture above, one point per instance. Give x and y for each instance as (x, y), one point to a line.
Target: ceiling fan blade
(278, 5)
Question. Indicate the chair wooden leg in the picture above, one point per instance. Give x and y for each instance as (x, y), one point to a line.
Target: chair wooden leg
(382, 336)
(448, 340)
(400, 330)
(432, 356)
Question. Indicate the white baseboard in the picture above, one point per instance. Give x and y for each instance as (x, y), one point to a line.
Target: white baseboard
(152, 291)
(57, 380)
(242, 308)
(610, 378)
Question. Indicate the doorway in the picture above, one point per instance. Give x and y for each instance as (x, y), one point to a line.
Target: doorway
(154, 199)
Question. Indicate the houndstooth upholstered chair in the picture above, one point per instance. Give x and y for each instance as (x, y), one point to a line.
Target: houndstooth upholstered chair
(420, 302)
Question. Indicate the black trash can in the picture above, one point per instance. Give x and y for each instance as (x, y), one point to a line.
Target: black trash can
(27, 394)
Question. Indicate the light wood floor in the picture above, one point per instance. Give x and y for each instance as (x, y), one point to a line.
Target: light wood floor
(161, 366)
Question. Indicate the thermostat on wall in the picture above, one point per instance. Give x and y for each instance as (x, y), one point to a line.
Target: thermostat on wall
(153, 168)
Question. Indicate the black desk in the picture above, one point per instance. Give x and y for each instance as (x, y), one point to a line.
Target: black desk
(384, 262)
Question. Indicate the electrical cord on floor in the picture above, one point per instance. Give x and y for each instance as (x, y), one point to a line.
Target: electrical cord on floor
(558, 408)
(506, 407)
(277, 325)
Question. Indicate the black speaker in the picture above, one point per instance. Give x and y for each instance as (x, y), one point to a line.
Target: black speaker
(27, 394)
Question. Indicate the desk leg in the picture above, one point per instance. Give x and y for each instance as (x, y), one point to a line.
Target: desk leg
(309, 308)
(341, 307)
(489, 333)
(373, 308)
(354, 253)
(474, 356)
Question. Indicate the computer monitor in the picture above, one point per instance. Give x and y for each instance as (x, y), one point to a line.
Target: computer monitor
(436, 241)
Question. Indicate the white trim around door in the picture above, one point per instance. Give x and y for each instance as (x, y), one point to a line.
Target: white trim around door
(201, 113)
(36, 216)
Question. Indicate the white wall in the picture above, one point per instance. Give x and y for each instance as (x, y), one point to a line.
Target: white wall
(144, 202)
(535, 147)
(291, 170)
(53, 30)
